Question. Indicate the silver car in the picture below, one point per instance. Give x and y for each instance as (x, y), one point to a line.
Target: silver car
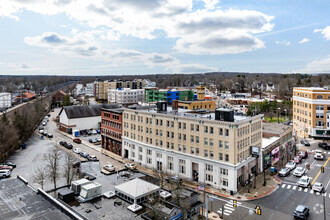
(291, 165)
(284, 171)
(299, 171)
(304, 181)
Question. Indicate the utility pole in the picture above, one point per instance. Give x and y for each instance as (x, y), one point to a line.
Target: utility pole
(255, 173)
(325, 214)
(264, 169)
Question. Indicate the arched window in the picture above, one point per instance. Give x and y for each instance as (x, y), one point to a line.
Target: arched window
(319, 97)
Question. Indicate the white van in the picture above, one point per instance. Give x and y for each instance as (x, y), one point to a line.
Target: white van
(5, 173)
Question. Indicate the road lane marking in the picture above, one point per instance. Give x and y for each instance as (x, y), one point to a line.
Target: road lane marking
(230, 208)
(320, 171)
(289, 186)
(294, 187)
(306, 190)
(299, 189)
(317, 193)
(327, 185)
(324, 194)
(283, 185)
(311, 191)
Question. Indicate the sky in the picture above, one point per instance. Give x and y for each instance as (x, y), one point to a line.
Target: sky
(129, 37)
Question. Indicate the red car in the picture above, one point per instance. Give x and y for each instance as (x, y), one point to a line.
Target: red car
(4, 167)
(297, 159)
(77, 140)
(303, 154)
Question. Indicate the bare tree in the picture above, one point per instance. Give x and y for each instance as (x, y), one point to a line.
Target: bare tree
(40, 176)
(52, 160)
(161, 176)
(69, 171)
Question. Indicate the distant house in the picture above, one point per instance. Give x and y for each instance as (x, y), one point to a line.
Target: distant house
(81, 117)
(25, 97)
(57, 98)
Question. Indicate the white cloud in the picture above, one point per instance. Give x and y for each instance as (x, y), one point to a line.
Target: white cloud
(325, 32)
(192, 68)
(317, 66)
(283, 42)
(230, 31)
(304, 40)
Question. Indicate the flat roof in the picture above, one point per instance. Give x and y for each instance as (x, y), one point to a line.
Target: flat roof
(194, 101)
(137, 187)
(19, 201)
(312, 88)
(275, 128)
(268, 141)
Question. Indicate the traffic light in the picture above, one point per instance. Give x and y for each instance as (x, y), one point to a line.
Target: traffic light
(235, 203)
(308, 166)
(322, 169)
(258, 210)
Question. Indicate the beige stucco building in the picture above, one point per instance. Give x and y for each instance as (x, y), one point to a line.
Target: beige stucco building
(311, 112)
(194, 146)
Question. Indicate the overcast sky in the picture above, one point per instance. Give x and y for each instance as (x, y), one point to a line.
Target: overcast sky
(89, 37)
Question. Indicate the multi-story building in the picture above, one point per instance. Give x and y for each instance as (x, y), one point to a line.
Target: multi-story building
(5, 100)
(198, 104)
(155, 95)
(125, 96)
(89, 89)
(111, 130)
(102, 88)
(213, 147)
(311, 112)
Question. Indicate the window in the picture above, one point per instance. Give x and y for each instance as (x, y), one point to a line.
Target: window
(319, 107)
(140, 149)
(211, 154)
(172, 134)
(206, 153)
(184, 126)
(172, 124)
(220, 131)
(149, 160)
(209, 177)
(179, 147)
(168, 124)
(172, 146)
(224, 171)
(319, 97)
(211, 130)
(211, 142)
(197, 128)
(220, 156)
(206, 141)
(191, 127)
(149, 152)
(179, 135)
(227, 158)
(209, 167)
(184, 137)
(197, 139)
(226, 144)
(206, 129)
(192, 150)
(220, 144)
(197, 151)
(319, 115)
(320, 123)
(179, 125)
(182, 166)
(184, 149)
(168, 144)
(192, 138)
(170, 163)
(227, 132)
(167, 134)
(224, 182)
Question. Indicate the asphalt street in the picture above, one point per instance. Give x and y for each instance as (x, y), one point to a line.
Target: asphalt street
(281, 203)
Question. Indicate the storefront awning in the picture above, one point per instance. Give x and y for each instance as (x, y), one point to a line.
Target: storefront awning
(319, 131)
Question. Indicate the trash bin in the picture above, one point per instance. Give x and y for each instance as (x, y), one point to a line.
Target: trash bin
(42, 137)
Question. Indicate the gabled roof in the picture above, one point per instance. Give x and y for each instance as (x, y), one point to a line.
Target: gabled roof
(82, 111)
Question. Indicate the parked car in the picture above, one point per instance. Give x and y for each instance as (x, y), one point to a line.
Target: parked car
(63, 143)
(77, 150)
(41, 128)
(303, 154)
(88, 132)
(77, 140)
(69, 146)
(44, 123)
(98, 131)
(82, 132)
(92, 140)
(94, 132)
(305, 142)
(299, 171)
(174, 179)
(318, 187)
(297, 159)
(92, 158)
(109, 167)
(318, 155)
(130, 166)
(304, 181)
(324, 145)
(11, 164)
(284, 171)
(41, 131)
(84, 154)
(301, 212)
(76, 164)
(4, 167)
(48, 115)
(45, 133)
(5, 173)
(52, 110)
(291, 165)
(98, 139)
(50, 135)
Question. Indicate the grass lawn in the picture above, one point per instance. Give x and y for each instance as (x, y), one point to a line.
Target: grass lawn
(275, 120)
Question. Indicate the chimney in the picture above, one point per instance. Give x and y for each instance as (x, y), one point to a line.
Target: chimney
(175, 105)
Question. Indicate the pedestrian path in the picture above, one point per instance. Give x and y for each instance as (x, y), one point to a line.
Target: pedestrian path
(228, 208)
(300, 189)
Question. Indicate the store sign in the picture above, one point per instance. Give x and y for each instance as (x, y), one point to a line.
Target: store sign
(276, 150)
(255, 151)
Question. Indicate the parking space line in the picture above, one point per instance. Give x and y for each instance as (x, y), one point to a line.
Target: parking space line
(294, 187)
(317, 193)
(306, 190)
(289, 186)
(299, 189)
(283, 185)
(324, 194)
(311, 191)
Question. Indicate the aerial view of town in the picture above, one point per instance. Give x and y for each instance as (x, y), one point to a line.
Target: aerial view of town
(164, 110)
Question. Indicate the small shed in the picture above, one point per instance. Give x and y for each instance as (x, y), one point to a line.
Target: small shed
(136, 191)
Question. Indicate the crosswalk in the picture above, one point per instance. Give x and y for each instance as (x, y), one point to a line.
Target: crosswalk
(228, 208)
(305, 190)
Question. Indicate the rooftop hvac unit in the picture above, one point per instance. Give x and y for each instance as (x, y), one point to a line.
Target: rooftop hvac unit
(224, 115)
(76, 185)
(90, 191)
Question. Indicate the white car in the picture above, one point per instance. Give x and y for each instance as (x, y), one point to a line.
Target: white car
(109, 167)
(94, 132)
(317, 187)
(41, 131)
(304, 181)
(5, 173)
(130, 166)
(299, 171)
(318, 155)
(291, 165)
(77, 150)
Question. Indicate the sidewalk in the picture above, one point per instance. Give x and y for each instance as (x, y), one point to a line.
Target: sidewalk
(243, 195)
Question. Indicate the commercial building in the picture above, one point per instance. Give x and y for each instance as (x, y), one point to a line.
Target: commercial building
(125, 96)
(311, 112)
(101, 88)
(89, 89)
(111, 130)
(212, 146)
(81, 117)
(57, 98)
(5, 100)
(155, 95)
(198, 104)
